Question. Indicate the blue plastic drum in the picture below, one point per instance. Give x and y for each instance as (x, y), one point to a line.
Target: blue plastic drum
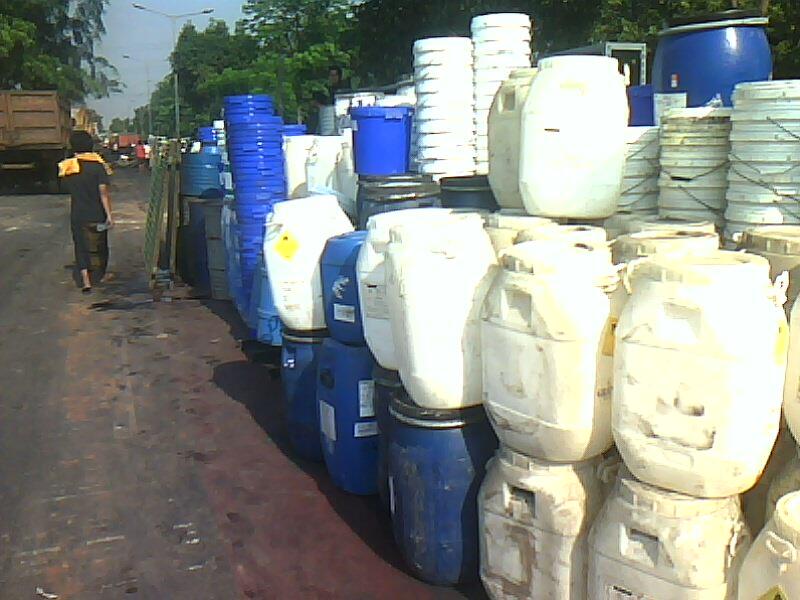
(703, 57)
(200, 175)
(437, 461)
(299, 365)
(387, 386)
(345, 392)
(340, 287)
(381, 139)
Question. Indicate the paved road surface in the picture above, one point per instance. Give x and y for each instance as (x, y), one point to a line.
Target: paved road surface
(141, 455)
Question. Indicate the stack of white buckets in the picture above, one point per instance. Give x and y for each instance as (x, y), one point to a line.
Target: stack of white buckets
(764, 177)
(694, 164)
(444, 122)
(501, 44)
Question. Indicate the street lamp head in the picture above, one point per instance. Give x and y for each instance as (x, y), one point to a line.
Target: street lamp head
(207, 11)
(139, 6)
(128, 56)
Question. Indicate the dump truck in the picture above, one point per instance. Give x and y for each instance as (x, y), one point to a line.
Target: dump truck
(34, 135)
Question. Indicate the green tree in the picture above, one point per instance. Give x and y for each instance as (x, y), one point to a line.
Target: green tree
(49, 44)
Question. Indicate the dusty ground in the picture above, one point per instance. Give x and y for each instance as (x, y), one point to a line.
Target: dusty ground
(142, 456)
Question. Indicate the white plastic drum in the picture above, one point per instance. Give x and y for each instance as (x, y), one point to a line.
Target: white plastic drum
(786, 482)
(296, 150)
(505, 122)
(372, 280)
(572, 153)
(791, 389)
(698, 386)
(535, 519)
(577, 234)
(297, 231)
(547, 350)
(437, 275)
(651, 544)
(772, 566)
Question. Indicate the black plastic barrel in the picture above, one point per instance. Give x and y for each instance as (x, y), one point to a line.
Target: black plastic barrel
(396, 192)
(472, 191)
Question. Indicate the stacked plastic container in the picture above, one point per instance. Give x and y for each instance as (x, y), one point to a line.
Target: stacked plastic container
(640, 178)
(764, 177)
(444, 123)
(547, 373)
(255, 150)
(694, 164)
(345, 387)
(501, 43)
(691, 376)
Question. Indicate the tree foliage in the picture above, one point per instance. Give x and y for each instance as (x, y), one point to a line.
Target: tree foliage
(50, 44)
(284, 47)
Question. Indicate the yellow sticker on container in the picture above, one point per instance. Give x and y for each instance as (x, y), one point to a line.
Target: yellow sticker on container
(287, 245)
(775, 593)
(611, 337)
(782, 344)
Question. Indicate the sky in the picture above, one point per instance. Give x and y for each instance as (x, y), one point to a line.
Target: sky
(147, 38)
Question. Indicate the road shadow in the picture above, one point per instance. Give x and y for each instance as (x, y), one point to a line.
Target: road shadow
(252, 386)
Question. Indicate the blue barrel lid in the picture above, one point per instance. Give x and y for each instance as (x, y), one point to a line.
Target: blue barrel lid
(380, 112)
(343, 249)
(405, 410)
(247, 99)
(715, 20)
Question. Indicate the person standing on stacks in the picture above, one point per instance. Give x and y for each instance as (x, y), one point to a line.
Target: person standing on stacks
(86, 177)
(141, 156)
(336, 83)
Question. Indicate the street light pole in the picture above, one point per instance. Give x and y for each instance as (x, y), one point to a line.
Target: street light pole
(174, 19)
(149, 95)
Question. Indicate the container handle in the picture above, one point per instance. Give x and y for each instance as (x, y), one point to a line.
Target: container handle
(782, 549)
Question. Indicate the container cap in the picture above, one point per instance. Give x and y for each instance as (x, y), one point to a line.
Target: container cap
(343, 249)
(787, 517)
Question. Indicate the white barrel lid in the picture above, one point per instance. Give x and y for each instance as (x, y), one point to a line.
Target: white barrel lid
(767, 90)
(437, 44)
(656, 223)
(500, 20)
(562, 257)
(698, 113)
(518, 222)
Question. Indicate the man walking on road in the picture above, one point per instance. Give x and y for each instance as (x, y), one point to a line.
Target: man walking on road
(85, 177)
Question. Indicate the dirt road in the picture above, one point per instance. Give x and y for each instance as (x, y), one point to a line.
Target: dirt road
(142, 456)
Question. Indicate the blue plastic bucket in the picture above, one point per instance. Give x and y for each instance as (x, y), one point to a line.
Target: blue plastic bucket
(206, 135)
(347, 416)
(299, 364)
(640, 101)
(381, 139)
(340, 287)
(706, 56)
(437, 461)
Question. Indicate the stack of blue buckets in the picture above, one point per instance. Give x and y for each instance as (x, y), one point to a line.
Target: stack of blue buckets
(255, 149)
(345, 388)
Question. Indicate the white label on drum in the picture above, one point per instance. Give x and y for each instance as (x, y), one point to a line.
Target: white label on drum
(375, 302)
(344, 313)
(366, 395)
(327, 420)
(367, 429)
(664, 102)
